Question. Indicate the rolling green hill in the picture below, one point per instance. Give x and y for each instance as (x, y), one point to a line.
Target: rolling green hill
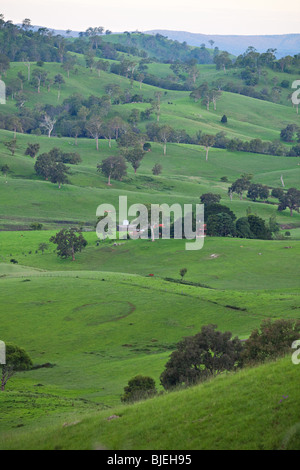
(119, 310)
(261, 412)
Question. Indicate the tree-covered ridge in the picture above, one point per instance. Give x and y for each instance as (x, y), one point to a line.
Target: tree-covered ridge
(24, 42)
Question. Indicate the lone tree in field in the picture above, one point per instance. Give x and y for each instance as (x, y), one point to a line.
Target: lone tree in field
(258, 191)
(69, 64)
(43, 247)
(43, 165)
(157, 169)
(113, 168)
(58, 174)
(199, 357)
(11, 146)
(94, 127)
(69, 242)
(240, 185)
(182, 273)
(290, 200)
(223, 61)
(32, 150)
(207, 141)
(5, 170)
(14, 124)
(38, 79)
(164, 135)
(59, 81)
(16, 360)
(48, 124)
(134, 156)
(210, 198)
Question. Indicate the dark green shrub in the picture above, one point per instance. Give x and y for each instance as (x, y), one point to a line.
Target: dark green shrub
(36, 226)
(139, 388)
(271, 340)
(202, 356)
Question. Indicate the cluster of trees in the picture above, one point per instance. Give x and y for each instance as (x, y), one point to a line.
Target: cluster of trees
(165, 134)
(137, 71)
(222, 222)
(210, 353)
(206, 95)
(290, 134)
(160, 48)
(52, 165)
(247, 90)
(288, 199)
(132, 148)
(254, 61)
(78, 117)
(23, 44)
(235, 144)
(253, 73)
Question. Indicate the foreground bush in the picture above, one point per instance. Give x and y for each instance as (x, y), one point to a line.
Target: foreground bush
(199, 357)
(271, 340)
(139, 388)
(16, 360)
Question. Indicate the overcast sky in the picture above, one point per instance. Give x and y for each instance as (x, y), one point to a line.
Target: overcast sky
(196, 16)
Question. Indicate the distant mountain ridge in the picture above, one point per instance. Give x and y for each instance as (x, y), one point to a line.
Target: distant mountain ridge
(286, 44)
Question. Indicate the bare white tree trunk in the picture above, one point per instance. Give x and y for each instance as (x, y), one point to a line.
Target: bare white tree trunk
(48, 124)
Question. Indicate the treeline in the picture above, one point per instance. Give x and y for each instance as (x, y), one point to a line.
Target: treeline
(275, 148)
(211, 353)
(254, 72)
(222, 222)
(78, 117)
(21, 43)
(252, 62)
(157, 47)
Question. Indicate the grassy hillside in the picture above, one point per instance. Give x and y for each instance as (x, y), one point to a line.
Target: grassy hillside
(110, 321)
(186, 175)
(91, 325)
(261, 412)
(178, 109)
(240, 264)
